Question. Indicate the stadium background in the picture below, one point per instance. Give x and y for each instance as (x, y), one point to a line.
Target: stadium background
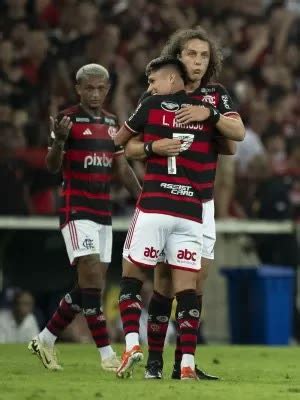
(42, 45)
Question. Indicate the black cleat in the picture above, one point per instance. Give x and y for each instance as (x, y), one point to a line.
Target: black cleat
(201, 375)
(153, 370)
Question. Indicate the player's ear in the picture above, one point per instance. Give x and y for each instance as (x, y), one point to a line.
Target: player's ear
(78, 90)
(172, 77)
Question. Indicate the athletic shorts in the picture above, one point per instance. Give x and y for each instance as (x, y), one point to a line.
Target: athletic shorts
(153, 235)
(209, 229)
(85, 237)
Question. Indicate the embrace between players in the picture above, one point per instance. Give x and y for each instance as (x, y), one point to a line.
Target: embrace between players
(179, 128)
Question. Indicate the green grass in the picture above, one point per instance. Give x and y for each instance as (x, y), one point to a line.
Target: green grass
(249, 373)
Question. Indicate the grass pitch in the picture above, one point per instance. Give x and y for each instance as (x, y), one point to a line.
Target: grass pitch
(249, 373)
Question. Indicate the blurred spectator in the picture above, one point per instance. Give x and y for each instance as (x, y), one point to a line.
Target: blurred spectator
(19, 324)
(44, 42)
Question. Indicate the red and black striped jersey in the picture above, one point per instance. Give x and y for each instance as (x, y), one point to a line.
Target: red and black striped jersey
(216, 95)
(182, 193)
(87, 167)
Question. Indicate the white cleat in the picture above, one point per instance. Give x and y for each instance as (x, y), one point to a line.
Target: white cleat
(129, 360)
(46, 354)
(111, 363)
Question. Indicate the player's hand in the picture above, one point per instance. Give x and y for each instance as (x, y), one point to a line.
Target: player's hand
(61, 129)
(166, 147)
(192, 114)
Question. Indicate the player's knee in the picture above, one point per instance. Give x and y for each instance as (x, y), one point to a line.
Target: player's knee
(202, 276)
(163, 280)
(90, 272)
(130, 289)
(132, 271)
(91, 301)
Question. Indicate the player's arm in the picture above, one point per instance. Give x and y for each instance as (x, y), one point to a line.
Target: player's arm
(231, 127)
(137, 149)
(59, 133)
(225, 118)
(126, 176)
(225, 146)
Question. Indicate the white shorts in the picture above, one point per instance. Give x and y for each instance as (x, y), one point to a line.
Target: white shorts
(152, 236)
(209, 229)
(84, 237)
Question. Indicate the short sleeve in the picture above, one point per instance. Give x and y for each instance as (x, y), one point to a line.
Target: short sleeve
(226, 105)
(137, 121)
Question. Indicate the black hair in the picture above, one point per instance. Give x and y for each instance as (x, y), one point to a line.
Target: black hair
(165, 61)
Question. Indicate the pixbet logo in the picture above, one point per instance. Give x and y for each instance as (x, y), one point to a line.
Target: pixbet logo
(151, 252)
(98, 161)
(186, 255)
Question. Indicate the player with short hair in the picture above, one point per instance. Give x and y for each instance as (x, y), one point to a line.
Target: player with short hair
(82, 147)
(202, 60)
(169, 208)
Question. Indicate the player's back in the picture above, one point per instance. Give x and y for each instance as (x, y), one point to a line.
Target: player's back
(177, 187)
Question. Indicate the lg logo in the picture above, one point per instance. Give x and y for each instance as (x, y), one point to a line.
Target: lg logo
(98, 161)
(186, 255)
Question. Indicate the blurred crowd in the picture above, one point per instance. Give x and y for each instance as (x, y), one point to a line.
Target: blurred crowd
(44, 42)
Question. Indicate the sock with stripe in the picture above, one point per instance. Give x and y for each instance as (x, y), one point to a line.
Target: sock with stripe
(159, 312)
(92, 310)
(178, 352)
(67, 310)
(188, 322)
(130, 305)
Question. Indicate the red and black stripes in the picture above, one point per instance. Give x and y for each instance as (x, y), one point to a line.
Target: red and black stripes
(92, 310)
(87, 167)
(188, 320)
(159, 311)
(68, 308)
(130, 304)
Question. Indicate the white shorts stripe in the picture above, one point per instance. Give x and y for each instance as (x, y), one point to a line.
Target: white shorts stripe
(131, 229)
(75, 235)
(71, 236)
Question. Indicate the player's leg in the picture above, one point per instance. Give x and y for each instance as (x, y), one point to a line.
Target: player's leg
(140, 251)
(130, 305)
(70, 305)
(209, 240)
(91, 279)
(159, 312)
(187, 319)
(183, 252)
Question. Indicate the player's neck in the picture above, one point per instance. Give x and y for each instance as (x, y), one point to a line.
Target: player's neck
(93, 112)
(192, 86)
(177, 88)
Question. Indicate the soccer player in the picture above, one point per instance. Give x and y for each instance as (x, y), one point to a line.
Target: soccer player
(83, 148)
(169, 208)
(202, 59)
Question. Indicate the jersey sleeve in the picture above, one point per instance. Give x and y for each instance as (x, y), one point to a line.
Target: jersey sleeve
(118, 149)
(137, 121)
(226, 105)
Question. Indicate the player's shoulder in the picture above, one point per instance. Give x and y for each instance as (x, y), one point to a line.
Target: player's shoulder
(109, 118)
